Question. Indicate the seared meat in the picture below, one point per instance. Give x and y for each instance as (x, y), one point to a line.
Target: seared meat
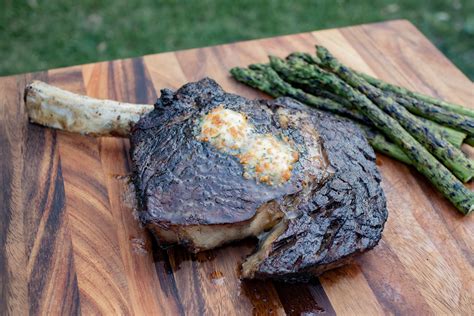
(195, 191)
(204, 190)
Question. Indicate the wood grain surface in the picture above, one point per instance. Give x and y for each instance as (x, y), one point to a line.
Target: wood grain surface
(70, 243)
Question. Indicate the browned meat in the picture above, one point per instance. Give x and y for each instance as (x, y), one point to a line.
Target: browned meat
(195, 192)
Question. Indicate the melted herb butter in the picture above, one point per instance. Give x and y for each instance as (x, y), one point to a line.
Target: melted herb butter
(264, 157)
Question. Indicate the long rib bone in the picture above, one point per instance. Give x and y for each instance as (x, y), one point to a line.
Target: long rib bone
(53, 107)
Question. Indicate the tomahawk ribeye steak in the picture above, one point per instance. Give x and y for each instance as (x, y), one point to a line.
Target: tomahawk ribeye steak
(210, 167)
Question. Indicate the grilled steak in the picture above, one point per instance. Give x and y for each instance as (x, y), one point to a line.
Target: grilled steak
(211, 167)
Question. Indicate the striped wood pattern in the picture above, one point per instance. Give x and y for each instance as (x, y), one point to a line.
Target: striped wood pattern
(70, 244)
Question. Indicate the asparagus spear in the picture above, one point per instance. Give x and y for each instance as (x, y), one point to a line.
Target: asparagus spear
(267, 80)
(453, 136)
(421, 158)
(452, 157)
(380, 143)
(436, 113)
(323, 92)
(262, 77)
(418, 96)
(310, 59)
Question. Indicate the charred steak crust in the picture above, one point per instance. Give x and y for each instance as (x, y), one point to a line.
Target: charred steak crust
(344, 218)
(331, 213)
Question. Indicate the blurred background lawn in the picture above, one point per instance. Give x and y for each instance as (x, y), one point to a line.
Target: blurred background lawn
(40, 34)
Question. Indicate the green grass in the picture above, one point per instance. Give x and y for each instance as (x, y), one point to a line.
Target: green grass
(40, 34)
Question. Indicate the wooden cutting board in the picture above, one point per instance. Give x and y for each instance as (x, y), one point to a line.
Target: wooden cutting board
(69, 242)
